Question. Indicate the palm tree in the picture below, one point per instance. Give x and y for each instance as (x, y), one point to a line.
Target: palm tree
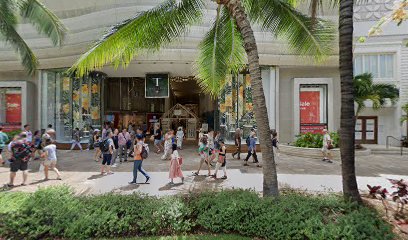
(39, 16)
(347, 121)
(377, 93)
(221, 52)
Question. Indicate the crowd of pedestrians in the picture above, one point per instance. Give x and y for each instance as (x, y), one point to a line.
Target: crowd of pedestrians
(116, 145)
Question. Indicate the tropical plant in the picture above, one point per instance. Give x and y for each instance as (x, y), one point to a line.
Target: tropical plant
(38, 15)
(221, 52)
(315, 140)
(377, 93)
(404, 118)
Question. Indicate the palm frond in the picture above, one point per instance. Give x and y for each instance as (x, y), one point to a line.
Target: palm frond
(149, 30)
(221, 52)
(306, 36)
(8, 22)
(377, 93)
(43, 19)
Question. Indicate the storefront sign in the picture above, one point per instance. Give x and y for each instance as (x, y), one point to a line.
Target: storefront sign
(157, 86)
(312, 128)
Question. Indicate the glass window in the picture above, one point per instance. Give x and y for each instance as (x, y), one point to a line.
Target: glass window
(10, 108)
(379, 65)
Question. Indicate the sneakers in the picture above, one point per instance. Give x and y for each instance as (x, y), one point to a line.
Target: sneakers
(132, 182)
(114, 165)
(147, 179)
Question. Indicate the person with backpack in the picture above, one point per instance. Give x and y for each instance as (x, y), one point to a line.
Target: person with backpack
(251, 142)
(125, 143)
(141, 153)
(237, 139)
(175, 165)
(21, 151)
(3, 140)
(107, 147)
(275, 145)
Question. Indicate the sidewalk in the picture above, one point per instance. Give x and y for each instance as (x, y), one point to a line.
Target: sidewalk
(82, 173)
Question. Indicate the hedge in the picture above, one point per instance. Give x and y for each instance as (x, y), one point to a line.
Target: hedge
(55, 213)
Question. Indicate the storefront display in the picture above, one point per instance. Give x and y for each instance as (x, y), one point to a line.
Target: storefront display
(69, 103)
(236, 106)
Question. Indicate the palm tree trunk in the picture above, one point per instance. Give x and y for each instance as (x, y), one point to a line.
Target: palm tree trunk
(347, 122)
(270, 182)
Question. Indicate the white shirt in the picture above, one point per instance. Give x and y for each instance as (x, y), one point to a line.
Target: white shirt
(52, 151)
(29, 135)
(180, 134)
(326, 139)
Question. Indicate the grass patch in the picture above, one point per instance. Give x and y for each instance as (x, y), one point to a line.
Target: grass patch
(56, 212)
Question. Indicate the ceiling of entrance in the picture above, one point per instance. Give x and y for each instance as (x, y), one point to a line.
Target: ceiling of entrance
(186, 92)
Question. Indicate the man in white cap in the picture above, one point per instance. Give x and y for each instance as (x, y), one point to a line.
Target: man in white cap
(326, 149)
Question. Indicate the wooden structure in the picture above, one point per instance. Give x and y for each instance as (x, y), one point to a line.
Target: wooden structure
(180, 115)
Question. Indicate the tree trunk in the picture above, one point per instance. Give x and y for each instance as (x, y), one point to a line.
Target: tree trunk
(347, 122)
(270, 181)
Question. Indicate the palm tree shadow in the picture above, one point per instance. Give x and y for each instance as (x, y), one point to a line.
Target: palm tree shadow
(200, 178)
(168, 186)
(96, 176)
(127, 188)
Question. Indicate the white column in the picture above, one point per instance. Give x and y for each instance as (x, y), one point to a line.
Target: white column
(271, 88)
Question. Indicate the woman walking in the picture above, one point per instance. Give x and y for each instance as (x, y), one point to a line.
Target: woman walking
(175, 165)
(137, 164)
(168, 141)
(237, 138)
(222, 161)
(50, 156)
(157, 135)
(204, 155)
(115, 139)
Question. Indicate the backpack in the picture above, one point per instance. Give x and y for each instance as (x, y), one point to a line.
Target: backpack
(105, 145)
(248, 141)
(145, 151)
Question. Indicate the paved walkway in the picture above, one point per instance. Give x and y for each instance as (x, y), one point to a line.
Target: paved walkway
(82, 173)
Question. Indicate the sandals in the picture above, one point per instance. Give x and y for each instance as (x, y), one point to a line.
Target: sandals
(195, 173)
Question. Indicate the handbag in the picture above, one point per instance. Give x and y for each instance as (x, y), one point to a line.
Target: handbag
(330, 146)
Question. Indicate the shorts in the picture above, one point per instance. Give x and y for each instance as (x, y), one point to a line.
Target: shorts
(49, 162)
(18, 165)
(157, 141)
(325, 149)
(107, 159)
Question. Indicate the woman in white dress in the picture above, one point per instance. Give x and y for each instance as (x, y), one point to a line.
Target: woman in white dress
(180, 137)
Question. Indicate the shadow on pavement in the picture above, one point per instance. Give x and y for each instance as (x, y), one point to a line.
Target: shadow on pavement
(96, 176)
(169, 186)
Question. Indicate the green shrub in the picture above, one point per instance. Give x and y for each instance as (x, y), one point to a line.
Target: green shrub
(57, 213)
(11, 134)
(315, 140)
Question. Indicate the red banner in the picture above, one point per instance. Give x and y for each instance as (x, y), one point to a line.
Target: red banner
(310, 107)
(13, 110)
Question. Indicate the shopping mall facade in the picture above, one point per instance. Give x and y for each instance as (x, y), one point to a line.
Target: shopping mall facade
(301, 95)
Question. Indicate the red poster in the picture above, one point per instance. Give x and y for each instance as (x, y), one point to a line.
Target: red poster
(13, 110)
(310, 107)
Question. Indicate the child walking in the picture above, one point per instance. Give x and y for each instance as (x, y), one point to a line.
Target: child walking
(180, 137)
(222, 162)
(50, 156)
(204, 155)
(175, 165)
